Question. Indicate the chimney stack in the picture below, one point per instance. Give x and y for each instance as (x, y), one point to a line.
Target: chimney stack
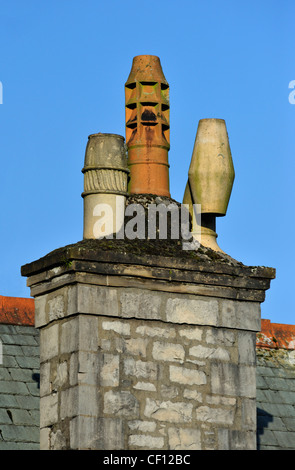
(141, 350)
(147, 127)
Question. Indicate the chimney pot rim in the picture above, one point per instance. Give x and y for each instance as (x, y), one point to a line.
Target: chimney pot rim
(102, 135)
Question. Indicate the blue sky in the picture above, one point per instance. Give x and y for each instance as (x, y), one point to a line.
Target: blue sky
(64, 64)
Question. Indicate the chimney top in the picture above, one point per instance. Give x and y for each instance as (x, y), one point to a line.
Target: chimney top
(146, 68)
(147, 127)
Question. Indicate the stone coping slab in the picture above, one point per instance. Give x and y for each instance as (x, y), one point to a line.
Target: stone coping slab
(107, 262)
(168, 254)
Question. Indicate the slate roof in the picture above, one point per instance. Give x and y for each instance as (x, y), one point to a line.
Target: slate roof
(19, 377)
(275, 353)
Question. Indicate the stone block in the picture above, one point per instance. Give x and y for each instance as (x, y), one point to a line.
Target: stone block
(49, 342)
(140, 369)
(45, 438)
(85, 367)
(203, 352)
(120, 327)
(215, 415)
(236, 440)
(248, 414)
(193, 334)
(84, 433)
(184, 375)
(134, 346)
(171, 412)
(69, 341)
(150, 387)
(109, 370)
(220, 336)
(49, 410)
(153, 331)
(88, 333)
(192, 311)
(142, 426)
(184, 439)
(247, 347)
(168, 352)
(233, 379)
(240, 314)
(40, 311)
(98, 300)
(121, 403)
(146, 442)
(56, 307)
(135, 303)
(60, 375)
(79, 400)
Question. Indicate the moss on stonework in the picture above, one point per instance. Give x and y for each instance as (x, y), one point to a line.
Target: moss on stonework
(143, 250)
(145, 247)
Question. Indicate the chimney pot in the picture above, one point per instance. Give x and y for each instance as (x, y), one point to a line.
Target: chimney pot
(147, 127)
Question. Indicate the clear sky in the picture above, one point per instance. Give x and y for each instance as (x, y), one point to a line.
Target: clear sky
(64, 64)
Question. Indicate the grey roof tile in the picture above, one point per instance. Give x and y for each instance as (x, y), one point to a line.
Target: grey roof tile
(28, 362)
(275, 400)
(28, 402)
(286, 439)
(14, 388)
(20, 433)
(19, 388)
(7, 401)
(290, 424)
(4, 417)
(21, 416)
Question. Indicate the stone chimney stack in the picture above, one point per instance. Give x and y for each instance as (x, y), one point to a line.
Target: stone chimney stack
(147, 127)
(144, 345)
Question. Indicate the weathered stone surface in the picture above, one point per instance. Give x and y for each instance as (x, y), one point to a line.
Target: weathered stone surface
(109, 371)
(184, 375)
(192, 311)
(148, 442)
(142, 426)
(168, 352)
(49, 338)
(166, 332)
(213, 353)
(240, 315)
(184, 439)
(171, 412)
(121, 404)
(117, 326)
(140, 369)
(140, 305)
(215, 415)
(49, 410)
(232, 379)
